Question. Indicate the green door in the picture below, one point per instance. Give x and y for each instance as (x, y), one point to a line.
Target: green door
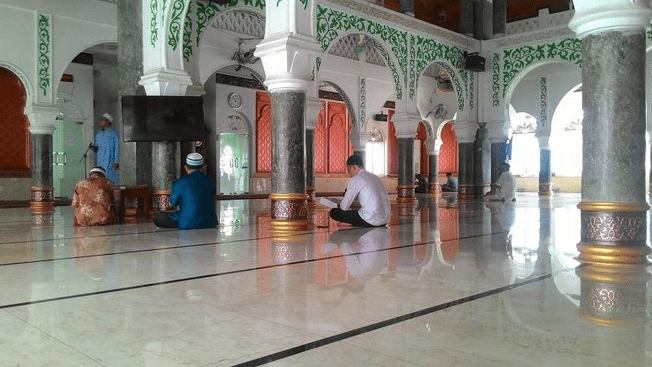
(67, 151)
(234, 163)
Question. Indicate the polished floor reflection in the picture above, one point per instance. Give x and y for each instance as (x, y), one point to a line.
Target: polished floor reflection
(447, 283)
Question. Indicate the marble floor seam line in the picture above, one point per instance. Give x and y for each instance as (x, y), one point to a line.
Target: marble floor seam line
(381, 324)
(162, 230)
(27, 303)
(214, 243)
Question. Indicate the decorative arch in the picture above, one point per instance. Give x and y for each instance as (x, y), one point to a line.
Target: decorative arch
(236, 123)
(518, 61)
(426, 51)
(244, 17)
(27, 84)
(521, 75)
(347, 100)
(70, 108)
(334, 24)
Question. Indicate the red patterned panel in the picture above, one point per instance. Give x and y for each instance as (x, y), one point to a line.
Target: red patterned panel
(422, 135)
(392, 145)
(321, 140)
(263, 132)
(448, 154)
(14, 139)
(338, 140)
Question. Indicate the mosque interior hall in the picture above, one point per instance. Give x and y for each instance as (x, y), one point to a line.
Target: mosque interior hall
(275, 96)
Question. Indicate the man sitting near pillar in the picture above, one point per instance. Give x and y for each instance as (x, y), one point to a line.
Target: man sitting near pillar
(505, 188)
(371, 194)
(451, 183)
(194, 194)
(93, 200)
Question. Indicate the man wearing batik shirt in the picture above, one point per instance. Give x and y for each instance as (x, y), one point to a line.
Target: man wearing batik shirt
(93, 200)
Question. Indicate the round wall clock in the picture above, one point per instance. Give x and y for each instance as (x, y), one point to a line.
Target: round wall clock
(235, 100)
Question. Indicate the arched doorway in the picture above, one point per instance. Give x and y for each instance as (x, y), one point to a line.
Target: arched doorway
(14, 140)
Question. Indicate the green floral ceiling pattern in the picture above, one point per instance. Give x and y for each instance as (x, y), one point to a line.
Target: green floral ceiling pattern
(517, 59)
(333, 24)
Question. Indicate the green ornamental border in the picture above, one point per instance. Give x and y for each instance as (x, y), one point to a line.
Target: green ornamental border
(517, 59)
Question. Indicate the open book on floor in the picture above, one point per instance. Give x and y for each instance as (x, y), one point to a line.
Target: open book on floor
(329, 202)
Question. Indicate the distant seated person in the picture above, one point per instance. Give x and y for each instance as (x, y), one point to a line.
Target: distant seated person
(505, 188)
(422, 184)
(194, 194)
(371, 194)
(93, 200)
(451, 183)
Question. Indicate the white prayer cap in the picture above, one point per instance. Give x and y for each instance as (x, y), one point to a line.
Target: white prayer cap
(98, 169)
(194, 160)
(108, 117)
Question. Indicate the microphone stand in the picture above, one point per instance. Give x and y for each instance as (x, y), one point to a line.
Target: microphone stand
(83, 158)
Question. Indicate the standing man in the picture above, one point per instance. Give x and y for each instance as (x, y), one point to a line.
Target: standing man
(371, 193)
(107, 147)
(194, 194)
(505, 188)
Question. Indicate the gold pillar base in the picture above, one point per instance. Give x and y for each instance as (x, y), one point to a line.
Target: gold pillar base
(465, 192)
(42, 202)
(288, 212)
(405, 193)
(613, 295)
(160, 200)
(434, 188)
(613, 234)
(545, 189)
(607, 255)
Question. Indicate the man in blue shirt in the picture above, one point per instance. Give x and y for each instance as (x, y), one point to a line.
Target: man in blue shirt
(107, 148)
(194, 194)
(451, 184)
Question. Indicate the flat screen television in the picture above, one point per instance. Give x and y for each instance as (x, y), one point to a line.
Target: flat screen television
(162, 118)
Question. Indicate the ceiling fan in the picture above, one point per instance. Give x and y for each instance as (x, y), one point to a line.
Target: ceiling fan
(243, 58)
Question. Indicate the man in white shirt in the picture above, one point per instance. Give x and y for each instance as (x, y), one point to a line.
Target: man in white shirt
(371, 194)
(505, 188)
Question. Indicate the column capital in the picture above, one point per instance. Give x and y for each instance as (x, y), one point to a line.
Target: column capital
(288, 61)
(433, 146)
(544, 142)
(465, 131)
(165, 82)
(498, 131)
(41, 118)
(359, 140)
(313, 108)
(593, 17)
(406, 124)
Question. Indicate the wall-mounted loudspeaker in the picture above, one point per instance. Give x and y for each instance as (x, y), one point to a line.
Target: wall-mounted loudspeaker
(474, 62)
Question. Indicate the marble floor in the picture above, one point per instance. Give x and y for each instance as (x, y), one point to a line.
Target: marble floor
(444, 284)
